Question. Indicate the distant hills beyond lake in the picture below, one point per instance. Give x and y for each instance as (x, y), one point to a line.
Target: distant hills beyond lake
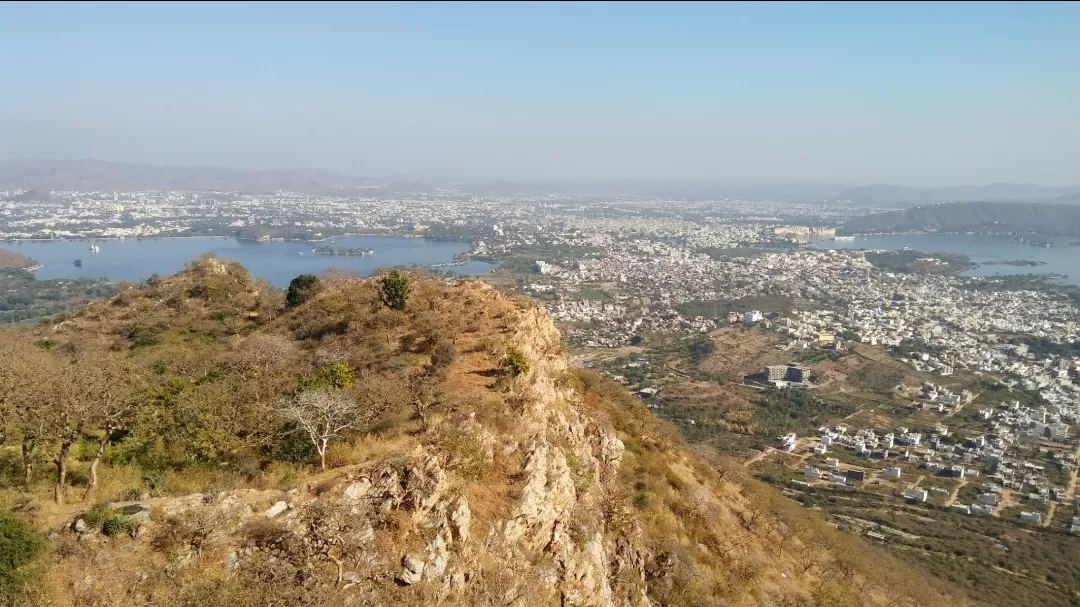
(983, 217)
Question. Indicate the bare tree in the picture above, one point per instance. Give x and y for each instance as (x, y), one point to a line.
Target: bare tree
(114, 404)
(8, 385)
(269, 360)
(270, 301)
(423, 385)
(26, 373)
(75, 388)
(265, 351)
(322, 415)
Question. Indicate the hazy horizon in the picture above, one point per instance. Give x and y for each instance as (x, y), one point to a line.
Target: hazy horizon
(922, 95)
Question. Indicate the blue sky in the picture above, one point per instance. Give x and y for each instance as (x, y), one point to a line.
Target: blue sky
(921, 94)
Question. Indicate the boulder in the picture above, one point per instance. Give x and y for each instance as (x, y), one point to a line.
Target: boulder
(137, 512)
(460, 519)
(357, 491)
(276, 509)
(437, 558)
(412, 570)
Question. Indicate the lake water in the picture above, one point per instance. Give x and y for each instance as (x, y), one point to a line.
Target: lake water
(277, 261)
(1059, 259)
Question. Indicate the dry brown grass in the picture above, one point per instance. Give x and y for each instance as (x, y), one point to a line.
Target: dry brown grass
(711, 534)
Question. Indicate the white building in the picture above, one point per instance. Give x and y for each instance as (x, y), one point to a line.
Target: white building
(916, 494)
(787, 441)
(1031, 517)
(893, 473)
(752, 317)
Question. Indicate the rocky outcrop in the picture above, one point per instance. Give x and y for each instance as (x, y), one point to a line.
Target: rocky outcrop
(507, 490)
(412, 570)
(555, 518)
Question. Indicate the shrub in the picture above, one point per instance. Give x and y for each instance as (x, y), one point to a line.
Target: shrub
(264, 533)
(515, 363)
(337, 376)
(117, 524)
(188, 530)
(395, 290)
(301, 289)
(443, 355)
(20, 546)
(144, 336)
(642, 501)
(291, 446)
(467, 456)
(95, 517)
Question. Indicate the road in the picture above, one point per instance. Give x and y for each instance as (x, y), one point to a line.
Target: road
(960, 406)
(955, 492)
(757, 458)
(1070, 490)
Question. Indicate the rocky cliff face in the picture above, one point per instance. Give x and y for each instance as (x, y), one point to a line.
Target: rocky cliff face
(525, 497)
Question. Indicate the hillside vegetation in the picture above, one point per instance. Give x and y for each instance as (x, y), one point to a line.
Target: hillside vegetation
(171, 441)
(990, 217)
(9, 260)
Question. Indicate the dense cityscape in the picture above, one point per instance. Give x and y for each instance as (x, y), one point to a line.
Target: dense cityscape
(992, 433)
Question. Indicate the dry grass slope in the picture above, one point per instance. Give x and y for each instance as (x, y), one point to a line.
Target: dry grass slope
(573, 492)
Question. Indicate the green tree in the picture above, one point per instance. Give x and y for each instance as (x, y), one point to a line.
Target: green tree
(301, 289)
(20, 545)
(337, 376)
(395, 290)
(701, 348)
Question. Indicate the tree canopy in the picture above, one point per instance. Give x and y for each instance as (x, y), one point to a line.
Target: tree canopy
(395, 289)
(301, 288)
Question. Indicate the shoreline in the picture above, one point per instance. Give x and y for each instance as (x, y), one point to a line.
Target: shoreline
(207, 237)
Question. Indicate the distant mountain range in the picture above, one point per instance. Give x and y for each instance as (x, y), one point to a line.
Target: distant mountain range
(96, 175)
(997, 217)
(882, 194)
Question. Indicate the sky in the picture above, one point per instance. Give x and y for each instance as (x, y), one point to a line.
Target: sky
(906, 93)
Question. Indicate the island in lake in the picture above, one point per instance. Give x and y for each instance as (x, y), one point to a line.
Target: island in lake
(1015, 262)
(342, 251)
(917, 262)
(1034, 242)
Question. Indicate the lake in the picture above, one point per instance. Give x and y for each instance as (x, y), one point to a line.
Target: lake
(1059, 259)
(277, 261)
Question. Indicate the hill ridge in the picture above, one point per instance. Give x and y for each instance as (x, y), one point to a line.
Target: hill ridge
(996, 217)
(551, 486)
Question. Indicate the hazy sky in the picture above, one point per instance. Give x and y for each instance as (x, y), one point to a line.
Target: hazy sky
(920, 94)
